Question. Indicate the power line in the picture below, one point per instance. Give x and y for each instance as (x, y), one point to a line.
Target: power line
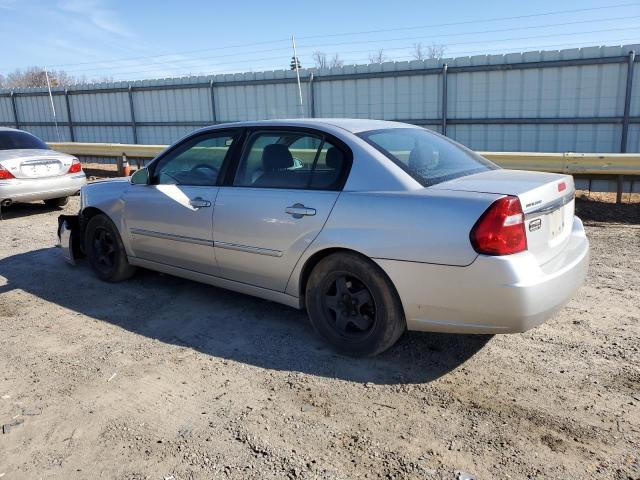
(146, 57)
(152, 68)
(432, 36)
(467, 22)
(556, 12)
(514, 49)
(171, 64)
(381, 40)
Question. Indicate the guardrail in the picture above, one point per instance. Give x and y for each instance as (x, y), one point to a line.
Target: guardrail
(108, 149)
(581, 164)
(571, 163)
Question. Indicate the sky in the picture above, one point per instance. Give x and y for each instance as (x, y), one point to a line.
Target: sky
(129, 40)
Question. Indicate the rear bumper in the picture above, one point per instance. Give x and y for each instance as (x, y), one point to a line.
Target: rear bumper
(32, 189)
(492, 295)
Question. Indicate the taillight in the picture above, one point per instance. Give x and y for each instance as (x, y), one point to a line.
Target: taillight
(5, 174)
(500, 229)
(562, 187)
(75, 166)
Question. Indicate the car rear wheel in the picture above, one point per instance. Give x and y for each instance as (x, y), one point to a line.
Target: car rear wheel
(56, 202)
(105, 250)
(353, 305)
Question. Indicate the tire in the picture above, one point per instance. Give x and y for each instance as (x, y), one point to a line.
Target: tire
(56, 202)
(353, 305)
(105, 250)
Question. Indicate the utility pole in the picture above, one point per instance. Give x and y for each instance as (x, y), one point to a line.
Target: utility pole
(295, 65)
(53, 107)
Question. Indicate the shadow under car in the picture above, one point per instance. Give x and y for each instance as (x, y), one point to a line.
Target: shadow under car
(226, 324)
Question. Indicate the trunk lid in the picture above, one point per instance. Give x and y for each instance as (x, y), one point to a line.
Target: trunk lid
(33, 163)
(547, 202)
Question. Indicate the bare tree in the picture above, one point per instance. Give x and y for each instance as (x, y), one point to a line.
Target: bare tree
(432, 51)
(336, 61)
(377, 57)
(3, 81)
(418, 52)
(35, 77)
(322, 61)
(436, 50)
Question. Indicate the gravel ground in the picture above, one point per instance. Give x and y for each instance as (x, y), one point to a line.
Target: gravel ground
(163, 378)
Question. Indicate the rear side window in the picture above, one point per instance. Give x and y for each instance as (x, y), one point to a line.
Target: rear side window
(427, 157)
(329, 168)
(16, 140)
(291, 160)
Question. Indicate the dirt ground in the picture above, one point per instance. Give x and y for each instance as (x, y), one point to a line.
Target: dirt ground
(163, 378)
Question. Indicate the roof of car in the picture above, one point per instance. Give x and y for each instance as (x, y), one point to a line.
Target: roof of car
(353, 125)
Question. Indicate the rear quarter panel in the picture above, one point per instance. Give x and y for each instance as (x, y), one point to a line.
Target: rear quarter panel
(426, 226)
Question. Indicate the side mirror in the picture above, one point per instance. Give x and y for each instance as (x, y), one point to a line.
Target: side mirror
(141, 177)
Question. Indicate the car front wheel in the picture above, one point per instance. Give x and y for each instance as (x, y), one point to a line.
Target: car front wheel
(105, 250)
(353, 305)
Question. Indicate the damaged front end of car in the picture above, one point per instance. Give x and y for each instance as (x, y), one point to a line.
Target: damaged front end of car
(69, 238)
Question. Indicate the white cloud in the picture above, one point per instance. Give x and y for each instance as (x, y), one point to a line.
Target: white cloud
(98, 14)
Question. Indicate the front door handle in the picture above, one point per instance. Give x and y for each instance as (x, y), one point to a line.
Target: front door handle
(298, 210)
(199, 202)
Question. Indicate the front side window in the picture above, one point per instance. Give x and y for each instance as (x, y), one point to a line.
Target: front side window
(290, 160)
(17, 140)
(196, 162)
(428, 158)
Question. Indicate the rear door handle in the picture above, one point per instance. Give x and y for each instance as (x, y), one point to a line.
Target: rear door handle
(298, 210)
(199, 202)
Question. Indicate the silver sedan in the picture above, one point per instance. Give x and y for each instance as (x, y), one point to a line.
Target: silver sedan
(30, 171)
(374, 227)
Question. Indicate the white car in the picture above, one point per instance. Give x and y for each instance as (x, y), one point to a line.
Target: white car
(375, 227)
(30, 171)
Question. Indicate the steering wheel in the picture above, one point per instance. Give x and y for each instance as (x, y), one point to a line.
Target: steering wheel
(198, 169)
(297, 164)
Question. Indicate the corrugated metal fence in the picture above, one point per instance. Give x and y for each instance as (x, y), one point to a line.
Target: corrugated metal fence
(580, 100)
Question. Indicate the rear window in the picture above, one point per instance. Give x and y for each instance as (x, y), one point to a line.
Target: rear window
(15, 140)
(428, 158)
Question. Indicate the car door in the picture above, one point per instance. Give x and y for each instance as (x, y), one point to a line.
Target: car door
(170, 221)
(284, 188)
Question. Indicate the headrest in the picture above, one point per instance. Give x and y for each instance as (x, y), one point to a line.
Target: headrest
(420, 156)
(276, 157)
(334, 158)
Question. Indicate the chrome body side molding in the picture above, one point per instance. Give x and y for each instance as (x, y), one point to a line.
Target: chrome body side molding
(248, 249)
(171, 236)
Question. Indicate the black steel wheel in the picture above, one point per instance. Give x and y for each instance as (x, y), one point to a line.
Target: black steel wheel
(353, 305)
(349, 306)
(105, 250)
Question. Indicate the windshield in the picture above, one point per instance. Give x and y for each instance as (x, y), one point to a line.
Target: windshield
(427, 157)
(15, 140)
